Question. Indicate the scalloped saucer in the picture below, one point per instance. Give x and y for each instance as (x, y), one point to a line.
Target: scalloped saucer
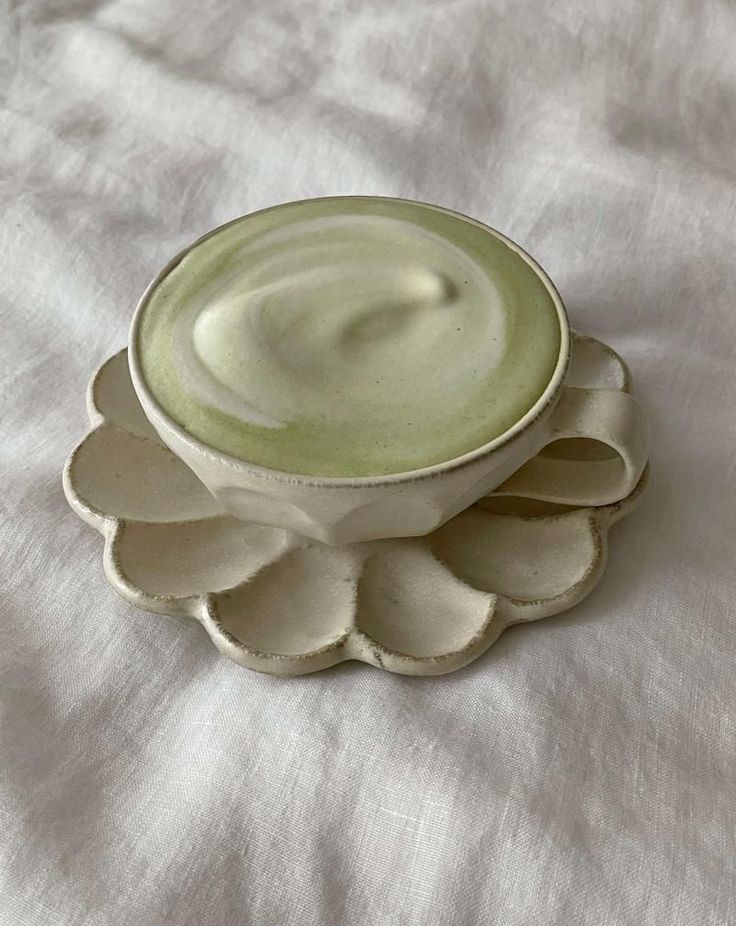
(279, 603)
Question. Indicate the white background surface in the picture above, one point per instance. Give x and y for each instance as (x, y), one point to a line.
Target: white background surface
(583, 771)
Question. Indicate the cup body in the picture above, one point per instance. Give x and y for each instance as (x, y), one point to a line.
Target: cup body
(343, 510)
(339, 511)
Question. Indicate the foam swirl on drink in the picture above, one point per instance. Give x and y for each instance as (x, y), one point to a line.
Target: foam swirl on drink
(349, 337)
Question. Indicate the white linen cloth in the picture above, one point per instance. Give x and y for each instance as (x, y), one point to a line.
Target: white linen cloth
(584, 770)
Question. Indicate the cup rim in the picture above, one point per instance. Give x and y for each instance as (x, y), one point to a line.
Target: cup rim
(545, 400)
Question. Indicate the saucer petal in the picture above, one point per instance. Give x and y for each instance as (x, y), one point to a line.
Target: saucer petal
(412, 606)
(181, 560)
(302, 603)
(533, 564)
(116, 473)
(112, 399)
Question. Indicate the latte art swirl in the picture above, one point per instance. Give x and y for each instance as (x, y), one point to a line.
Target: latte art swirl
(342, 328)
(344, 342)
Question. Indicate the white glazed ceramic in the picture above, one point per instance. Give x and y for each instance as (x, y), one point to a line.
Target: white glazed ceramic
(277, 602)
(346, 510)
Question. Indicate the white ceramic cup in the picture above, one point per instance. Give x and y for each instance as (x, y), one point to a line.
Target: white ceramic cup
(339, 510)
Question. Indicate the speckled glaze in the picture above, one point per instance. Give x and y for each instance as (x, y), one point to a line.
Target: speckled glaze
(277, 602)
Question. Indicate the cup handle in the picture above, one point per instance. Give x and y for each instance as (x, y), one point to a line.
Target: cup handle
(608, 416)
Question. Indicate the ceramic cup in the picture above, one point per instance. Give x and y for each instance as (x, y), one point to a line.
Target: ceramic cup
(339, 510)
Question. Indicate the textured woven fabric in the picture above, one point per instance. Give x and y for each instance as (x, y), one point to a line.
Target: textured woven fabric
(583, 770)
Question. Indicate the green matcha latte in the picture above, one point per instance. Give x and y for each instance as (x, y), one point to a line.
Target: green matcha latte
(351, 336)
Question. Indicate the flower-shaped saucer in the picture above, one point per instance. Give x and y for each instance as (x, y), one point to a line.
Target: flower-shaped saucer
(279, 603)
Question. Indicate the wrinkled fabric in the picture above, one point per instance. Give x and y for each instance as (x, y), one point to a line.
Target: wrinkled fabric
(583, 770)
